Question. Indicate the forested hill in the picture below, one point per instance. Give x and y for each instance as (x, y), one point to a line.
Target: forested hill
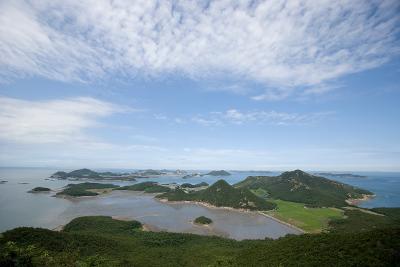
(222, 194)
(299, 186)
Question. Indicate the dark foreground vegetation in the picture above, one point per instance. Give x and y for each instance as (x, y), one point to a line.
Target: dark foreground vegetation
(102, 241)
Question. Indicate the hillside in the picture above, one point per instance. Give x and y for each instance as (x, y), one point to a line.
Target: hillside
(102, 241)
(299, 186)
(222, 194)
(148, 187)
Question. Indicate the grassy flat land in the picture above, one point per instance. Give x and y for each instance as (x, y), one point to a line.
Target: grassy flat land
(311, 220)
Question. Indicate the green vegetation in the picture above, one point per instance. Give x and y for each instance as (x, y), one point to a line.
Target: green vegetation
(298, 186)
(89, 174)
(148, 187)
(202, 220)
(188, 185)
(222, 194)
(357, 219)
(218, 173)
(39, 189)
(82, 189)
(101, 241)
(311, 220)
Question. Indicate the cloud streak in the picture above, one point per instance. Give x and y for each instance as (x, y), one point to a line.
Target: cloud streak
(281, 44)
(51, 121)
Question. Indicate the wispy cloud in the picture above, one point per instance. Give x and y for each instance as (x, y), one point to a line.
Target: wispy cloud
(52, 121)
(234, 116)
(281, 44)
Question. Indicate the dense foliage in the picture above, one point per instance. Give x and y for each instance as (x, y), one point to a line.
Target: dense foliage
(101, 241)
(298, 186)
(148, 187)
(222, 194)
(78, 190)
(365, 220)
(202, 220)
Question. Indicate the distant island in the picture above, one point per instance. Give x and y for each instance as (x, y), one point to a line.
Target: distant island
(86, 189)
(343, 175)
(202, 220)
(39, 189)
(188, 185)
(221, 194)
(89, 174)
(218, 173)
(148, 187)
(3, 181)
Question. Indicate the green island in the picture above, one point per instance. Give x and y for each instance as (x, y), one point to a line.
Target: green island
(189, 185)
(202, 220)
(86, 189)
(302, 187)
(90, 174)
(148, 187)
(218, 173)
(39, 189)
(103, 241)
(221, 194)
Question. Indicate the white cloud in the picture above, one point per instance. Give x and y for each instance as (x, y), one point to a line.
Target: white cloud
(234, 116)
(281, 44)
(52, 121)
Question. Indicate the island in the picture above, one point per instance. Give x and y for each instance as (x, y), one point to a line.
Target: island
(221, 194)
(301, 187)
(3, 181)
(148, 187)
(93, 175)
(218, 173)
(188, 185)
(86, 189)
(39, 189)
(341, 175)
(202, 220)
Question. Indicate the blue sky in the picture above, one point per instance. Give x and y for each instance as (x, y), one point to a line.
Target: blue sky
(266, 85)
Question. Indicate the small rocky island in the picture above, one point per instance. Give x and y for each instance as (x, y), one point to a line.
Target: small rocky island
(202, 220)
(39, 189)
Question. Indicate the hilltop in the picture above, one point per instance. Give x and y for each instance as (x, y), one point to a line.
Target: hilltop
(299, 186)
(221, 194)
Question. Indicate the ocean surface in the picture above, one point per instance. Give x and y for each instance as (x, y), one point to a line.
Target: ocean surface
(19, 208)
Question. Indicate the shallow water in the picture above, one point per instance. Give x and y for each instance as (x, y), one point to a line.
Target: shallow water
(19, 208)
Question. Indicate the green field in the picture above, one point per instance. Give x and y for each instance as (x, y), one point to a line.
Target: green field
(311, 220)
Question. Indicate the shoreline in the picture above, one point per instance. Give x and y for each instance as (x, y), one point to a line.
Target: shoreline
(207, 205)
(356, 201)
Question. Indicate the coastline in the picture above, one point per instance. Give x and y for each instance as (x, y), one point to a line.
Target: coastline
(356, 201)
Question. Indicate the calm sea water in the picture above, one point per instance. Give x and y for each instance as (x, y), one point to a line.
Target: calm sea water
(19, 208)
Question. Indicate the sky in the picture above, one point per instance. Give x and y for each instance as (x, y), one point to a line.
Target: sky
(238, 85)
